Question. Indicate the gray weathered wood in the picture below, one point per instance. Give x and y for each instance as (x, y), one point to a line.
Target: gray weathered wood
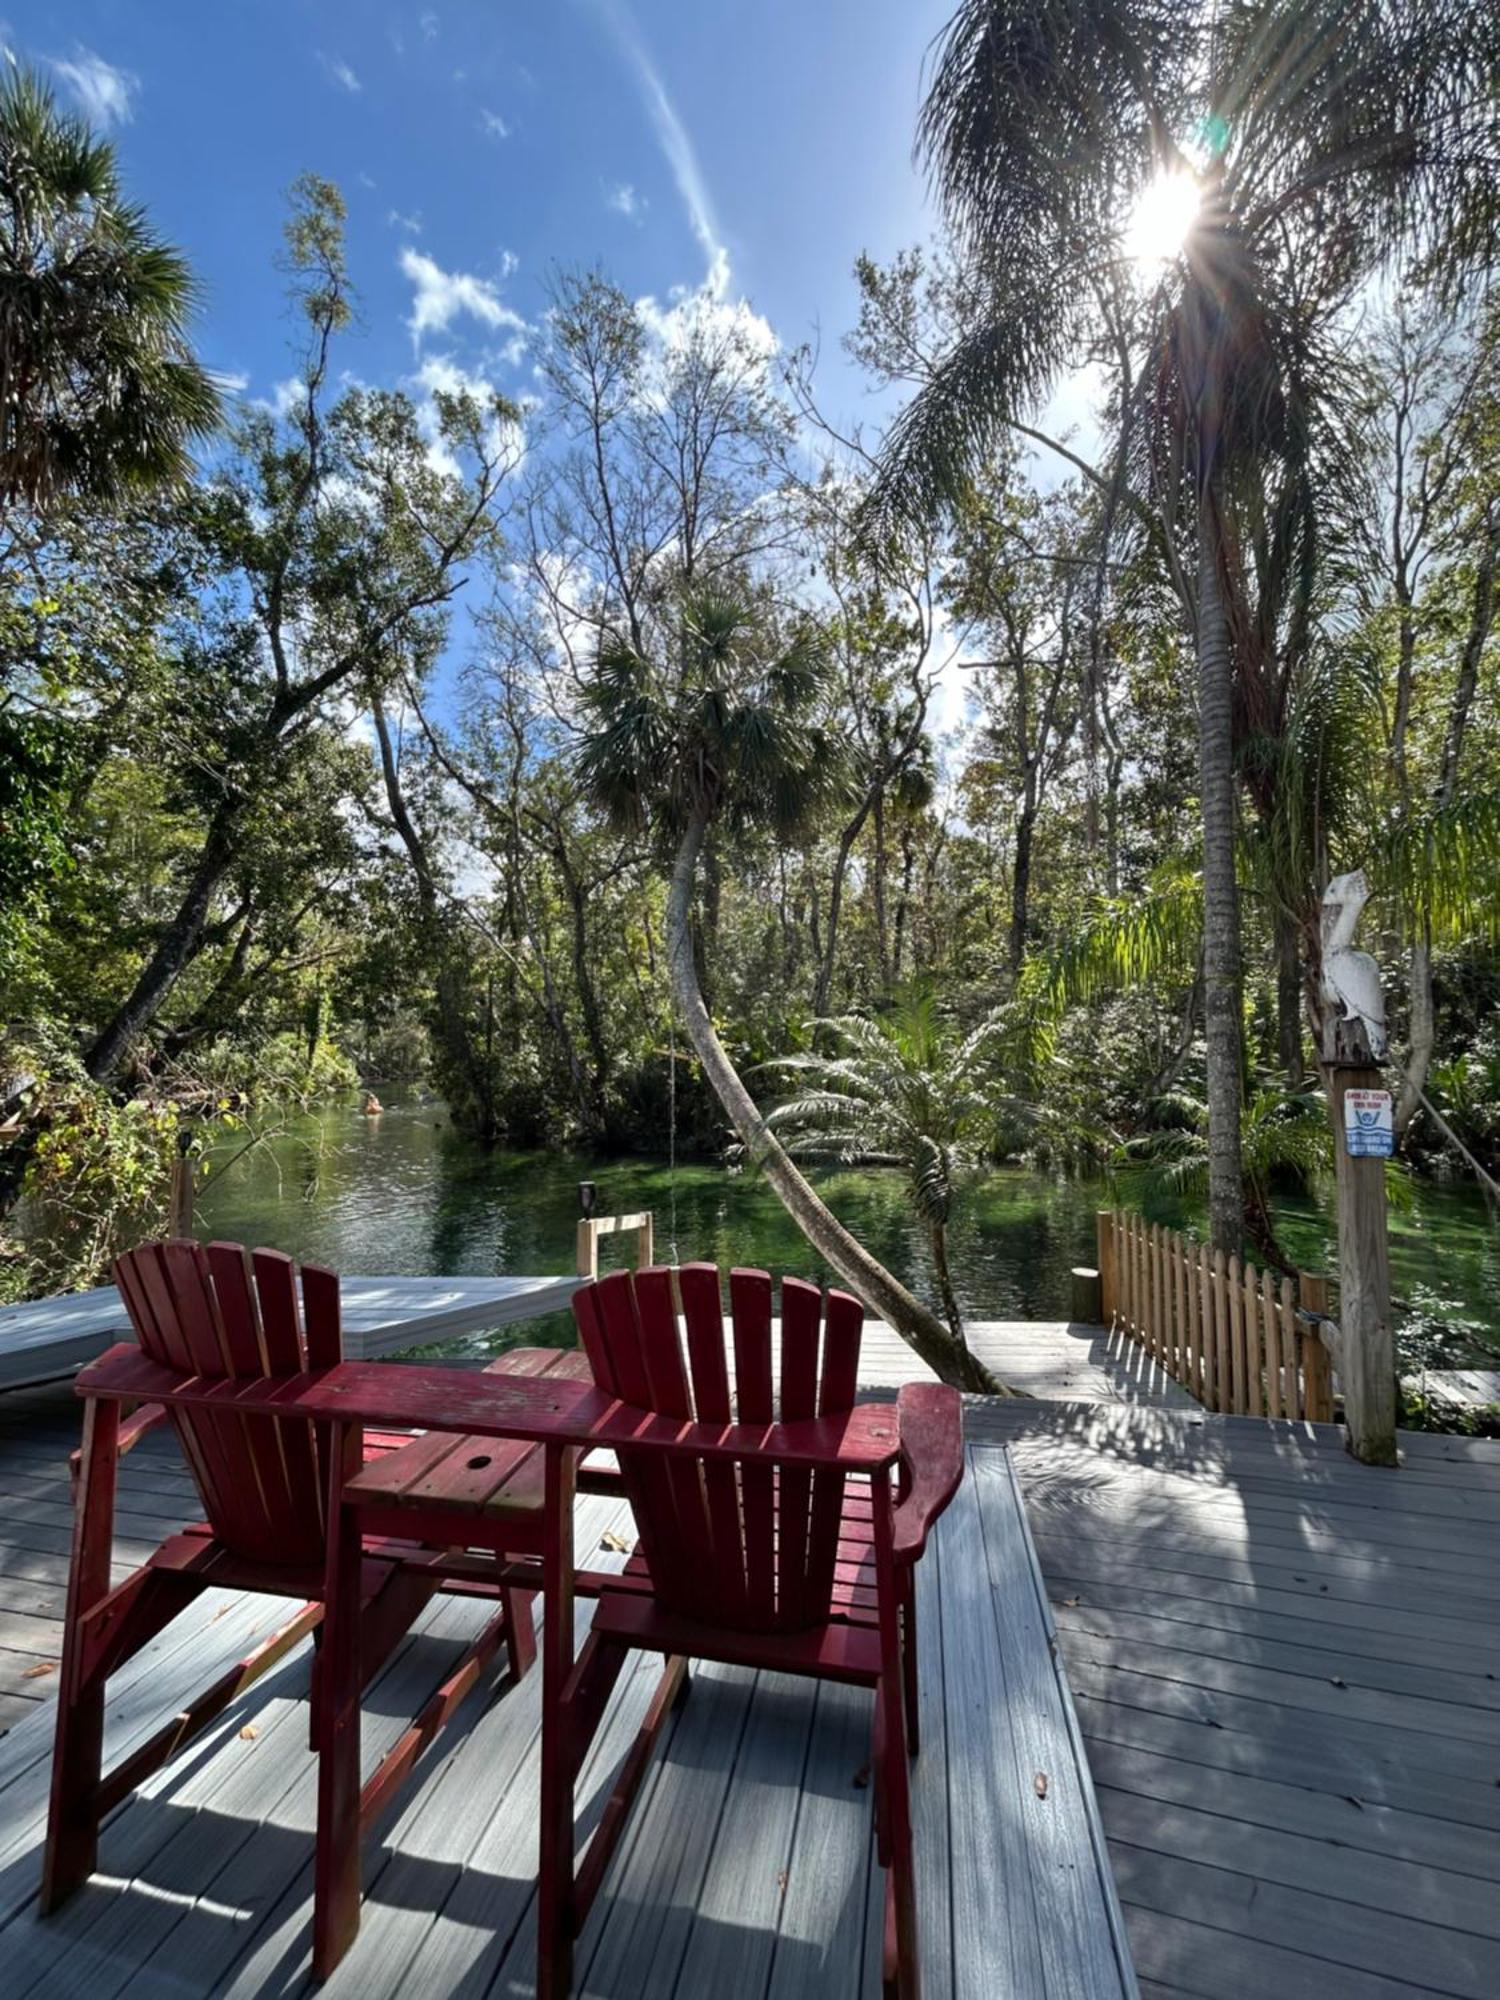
(46, 1339)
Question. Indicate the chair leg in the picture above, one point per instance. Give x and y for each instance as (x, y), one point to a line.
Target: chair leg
(314, 1681)
(520, 1632)
(73, 1811)
(909, 1664)
(336, 1722)
(555, 1882)
(900, 1973)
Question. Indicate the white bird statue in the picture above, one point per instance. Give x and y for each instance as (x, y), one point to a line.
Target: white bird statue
(1351, 979)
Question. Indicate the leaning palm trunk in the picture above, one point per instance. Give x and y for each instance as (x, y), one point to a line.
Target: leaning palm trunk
(946, 1354)
(1221, 908)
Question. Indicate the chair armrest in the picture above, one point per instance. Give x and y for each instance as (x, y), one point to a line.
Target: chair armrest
(932, 1457)
(132, 1430)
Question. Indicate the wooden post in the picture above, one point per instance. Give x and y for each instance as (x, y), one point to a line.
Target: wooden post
(1312, 1296)
(1104, 1231)
(1367, 1347)
(180, 1196)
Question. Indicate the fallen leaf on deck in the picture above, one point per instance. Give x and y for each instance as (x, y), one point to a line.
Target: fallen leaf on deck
(861, 1777)
(1337, 1680)
(1040, 1781)
(249, 1733)
(42, 1667)
(616, 1542)
(1069, 1602)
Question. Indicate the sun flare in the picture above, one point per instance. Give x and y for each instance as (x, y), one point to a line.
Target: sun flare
(1165, 211)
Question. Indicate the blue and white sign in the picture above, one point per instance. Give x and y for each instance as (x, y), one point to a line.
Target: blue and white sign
(1369, 1125)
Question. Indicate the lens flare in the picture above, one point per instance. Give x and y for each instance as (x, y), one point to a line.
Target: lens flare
(1164, 213)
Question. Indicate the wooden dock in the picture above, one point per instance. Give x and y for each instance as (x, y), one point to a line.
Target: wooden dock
(747, 1871)
(1285, 1668)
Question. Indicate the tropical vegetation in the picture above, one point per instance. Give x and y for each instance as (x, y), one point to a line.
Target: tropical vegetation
(954, 788)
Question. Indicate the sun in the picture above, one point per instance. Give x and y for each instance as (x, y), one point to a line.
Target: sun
(1164, 213)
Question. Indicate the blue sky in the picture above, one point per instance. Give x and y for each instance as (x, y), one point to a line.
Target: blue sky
(756, 144)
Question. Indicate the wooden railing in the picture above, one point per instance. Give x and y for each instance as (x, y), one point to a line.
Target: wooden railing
(592, 1227)
(1242, 1341)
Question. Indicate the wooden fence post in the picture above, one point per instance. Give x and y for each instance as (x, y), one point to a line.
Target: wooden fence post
(1104, 1233)
(1317, 1369)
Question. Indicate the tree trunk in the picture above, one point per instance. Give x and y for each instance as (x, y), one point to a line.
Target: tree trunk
(173, 951)
(939, 1236)
(1423, 1029)
(1020, 888)
(823, 985)
(1221, 905)
(877, 891)
(884, 1295)
(1288, 999)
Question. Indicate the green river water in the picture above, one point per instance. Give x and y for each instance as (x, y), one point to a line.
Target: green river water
(404, 1194)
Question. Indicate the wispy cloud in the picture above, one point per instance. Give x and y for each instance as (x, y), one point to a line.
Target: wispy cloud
(233, 381)
(411, 223)
(624, 200)
(672, 137)
(340, 73)
(104, 93)
(428, 23)
(442, 296)
(493, 126)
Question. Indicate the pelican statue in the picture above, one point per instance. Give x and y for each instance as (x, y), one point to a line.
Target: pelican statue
(1351, 979)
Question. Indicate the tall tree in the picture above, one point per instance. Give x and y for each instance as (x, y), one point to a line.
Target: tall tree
(100, 392)
(729, 728)
(1307, 148)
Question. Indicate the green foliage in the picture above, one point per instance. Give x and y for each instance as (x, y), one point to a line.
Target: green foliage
(101, 393)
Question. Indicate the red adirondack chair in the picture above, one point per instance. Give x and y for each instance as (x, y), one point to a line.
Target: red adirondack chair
(263, 1481)
(753, 1560)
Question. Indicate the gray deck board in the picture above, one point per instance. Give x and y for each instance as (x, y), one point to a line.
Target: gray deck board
(1285, 1671)
(747, 1870)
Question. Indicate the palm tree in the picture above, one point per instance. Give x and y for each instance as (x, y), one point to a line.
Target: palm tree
(904, 1089)
(727, 728)
(1322, 144)
(100, 393)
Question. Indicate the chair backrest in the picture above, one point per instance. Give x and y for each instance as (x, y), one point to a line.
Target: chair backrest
(732, 1543)
(229, 1311)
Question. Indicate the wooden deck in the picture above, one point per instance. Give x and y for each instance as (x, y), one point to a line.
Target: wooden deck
(747, 1870)
(1285, 1666)
(1287, 1672)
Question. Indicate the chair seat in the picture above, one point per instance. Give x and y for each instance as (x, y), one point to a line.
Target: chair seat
(494, 1478)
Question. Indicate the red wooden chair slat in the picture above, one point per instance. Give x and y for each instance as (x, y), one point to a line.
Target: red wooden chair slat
(801, 1312)
(648, 1485)
(703, 1312)
(843, 1324)
(322, 1316)
(229, 1264)
(750, 1314)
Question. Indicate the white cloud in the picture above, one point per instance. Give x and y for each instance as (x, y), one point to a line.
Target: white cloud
(493, 126)
(676, 146)
(428, 23)
(622, 197)
(440, 374)
(509, 263)
(443, 296)
(104, 93)
(411, 223)
(341, 73)
(233, 381)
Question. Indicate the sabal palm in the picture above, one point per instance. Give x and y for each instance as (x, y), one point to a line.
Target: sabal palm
(100, 393)
(908, 1089)
(1331, 139)
(727, 723)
